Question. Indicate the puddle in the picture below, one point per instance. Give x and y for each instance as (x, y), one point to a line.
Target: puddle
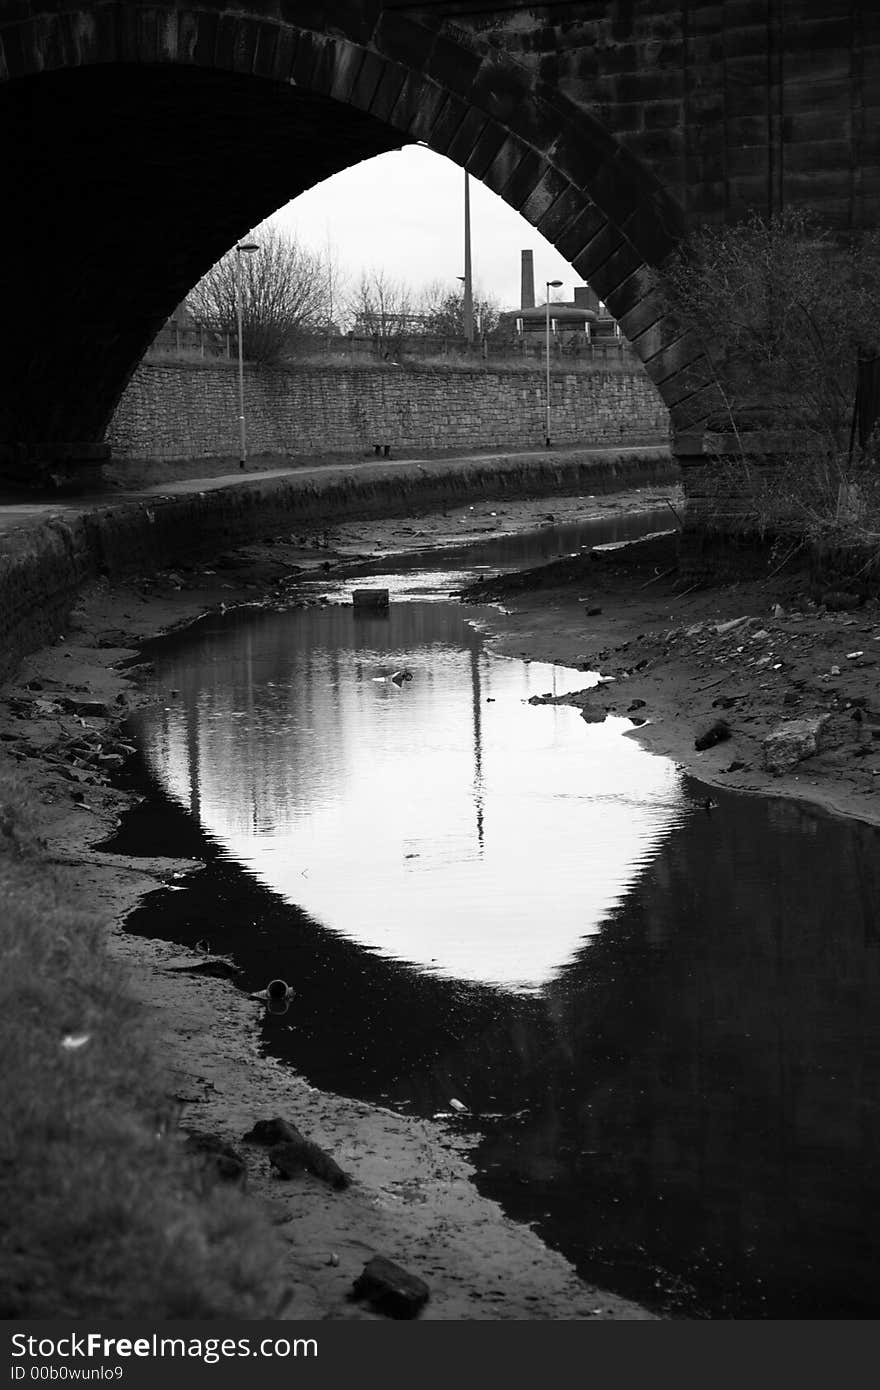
(431, 820)
(662, 1021)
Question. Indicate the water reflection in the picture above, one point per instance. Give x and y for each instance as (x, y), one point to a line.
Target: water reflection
(516, 551)
(433, 820)
(681, 1086)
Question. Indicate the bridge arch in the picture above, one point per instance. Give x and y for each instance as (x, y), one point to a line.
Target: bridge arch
(143, 140)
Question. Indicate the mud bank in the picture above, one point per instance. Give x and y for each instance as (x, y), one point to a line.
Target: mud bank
(49, 553)
(747, 658)
(411, 1198)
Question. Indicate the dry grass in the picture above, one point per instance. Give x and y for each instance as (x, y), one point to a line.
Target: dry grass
(101, 1212)
(341, 361)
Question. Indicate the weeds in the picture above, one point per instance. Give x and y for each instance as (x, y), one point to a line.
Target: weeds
(101, 1212)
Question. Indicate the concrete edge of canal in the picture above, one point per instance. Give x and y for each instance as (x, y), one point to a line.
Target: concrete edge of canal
(50, 550)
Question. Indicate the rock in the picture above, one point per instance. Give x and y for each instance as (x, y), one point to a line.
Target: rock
(87, 709)
(219, 1160)
(790, 743)
(110, 760)
(840, 601)
(391, 1289)
(290, 1152)
(721, 628)
(593, 612)
(216, 969)
(290, 1158)
(269, 1132)
(636, 704)
(717, 732)
(47, 709)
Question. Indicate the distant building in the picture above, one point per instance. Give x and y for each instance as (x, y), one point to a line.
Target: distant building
(581, 319)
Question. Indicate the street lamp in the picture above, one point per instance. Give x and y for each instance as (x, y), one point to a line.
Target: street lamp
(242, 248)
(550, 285)
(468, 306)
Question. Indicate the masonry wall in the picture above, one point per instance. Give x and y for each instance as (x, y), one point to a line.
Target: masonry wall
(190, 410)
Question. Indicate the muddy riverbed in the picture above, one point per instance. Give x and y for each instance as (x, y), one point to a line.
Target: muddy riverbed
(414, 1198)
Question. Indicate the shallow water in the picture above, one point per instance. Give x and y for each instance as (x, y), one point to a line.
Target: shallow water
(663, 1020)
(498, 551)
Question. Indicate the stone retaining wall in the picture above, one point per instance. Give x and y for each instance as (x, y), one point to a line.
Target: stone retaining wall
(190, 410)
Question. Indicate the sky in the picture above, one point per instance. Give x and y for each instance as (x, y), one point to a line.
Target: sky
(404, 212)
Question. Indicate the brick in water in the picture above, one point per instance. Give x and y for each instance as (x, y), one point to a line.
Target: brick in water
(370, 598)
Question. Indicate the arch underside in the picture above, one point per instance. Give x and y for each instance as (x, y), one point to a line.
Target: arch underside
(140, 143)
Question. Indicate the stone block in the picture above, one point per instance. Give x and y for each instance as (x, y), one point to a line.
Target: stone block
(392, 81)
(425, 103)
(453, 66)
(390, 1288)
(791, 742)
(447, 124)
(565, 209)
(407, 41)
(506, 164)
(367, 81)
(485, 149)
(462, 143)
(345, 71)
(543, 197)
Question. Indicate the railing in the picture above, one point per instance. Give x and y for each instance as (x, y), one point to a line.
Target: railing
(186, 341)
(192, 340)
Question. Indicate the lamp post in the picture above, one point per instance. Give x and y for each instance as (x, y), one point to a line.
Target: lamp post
(242, 248)
(468, 305)
(550, 285)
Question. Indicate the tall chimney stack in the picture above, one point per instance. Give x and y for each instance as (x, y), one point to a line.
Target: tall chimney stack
(527, 281)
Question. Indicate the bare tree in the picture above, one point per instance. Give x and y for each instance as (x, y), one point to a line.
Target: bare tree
(284, 295)
(382, 308)
(789, 319)
(784, 311)
(442, 311)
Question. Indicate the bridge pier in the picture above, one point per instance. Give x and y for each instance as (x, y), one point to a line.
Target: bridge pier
(755, 499)
(72, 466)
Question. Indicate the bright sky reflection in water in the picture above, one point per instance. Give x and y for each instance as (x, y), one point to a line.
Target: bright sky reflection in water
(443, 822)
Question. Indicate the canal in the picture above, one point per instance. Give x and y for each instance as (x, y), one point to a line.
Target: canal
(656, 1022)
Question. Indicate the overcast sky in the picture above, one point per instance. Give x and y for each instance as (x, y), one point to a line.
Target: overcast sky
(404, 212)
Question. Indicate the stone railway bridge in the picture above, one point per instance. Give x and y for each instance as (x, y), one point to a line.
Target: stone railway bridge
(139, 141)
